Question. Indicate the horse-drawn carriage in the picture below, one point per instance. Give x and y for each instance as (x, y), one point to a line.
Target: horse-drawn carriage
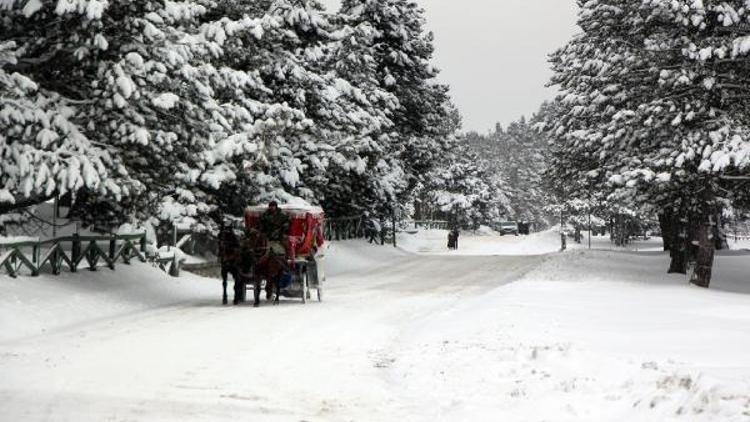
(299, 269)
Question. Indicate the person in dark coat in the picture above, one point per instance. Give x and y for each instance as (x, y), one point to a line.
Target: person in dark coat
(274, 224)
(455, 237)
(372, 228)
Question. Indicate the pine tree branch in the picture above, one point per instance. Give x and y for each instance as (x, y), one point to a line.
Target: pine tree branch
(28, 202)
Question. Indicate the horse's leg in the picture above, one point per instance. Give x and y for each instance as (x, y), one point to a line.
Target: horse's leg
(239, 286)
(224, 299)
(277, 283)
(256, 290)
(270, 279)
(269, 287)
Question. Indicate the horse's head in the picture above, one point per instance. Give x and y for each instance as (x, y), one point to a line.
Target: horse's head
(257, 242)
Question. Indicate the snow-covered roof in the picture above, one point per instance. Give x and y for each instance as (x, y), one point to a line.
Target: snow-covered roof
(292, 209)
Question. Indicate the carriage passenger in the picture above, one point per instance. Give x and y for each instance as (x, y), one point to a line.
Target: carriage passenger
(274, 224)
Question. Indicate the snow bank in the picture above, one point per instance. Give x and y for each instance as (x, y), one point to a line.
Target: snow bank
(35, 305)
(739, 244)
(357, 255)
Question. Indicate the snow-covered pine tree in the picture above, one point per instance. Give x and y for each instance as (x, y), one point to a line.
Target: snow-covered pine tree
(43, 150)
(320, 125)
(515, 159)
(402, 56)
(524, 167)
(462, 191)
(351, 190)
(649, 108)
(140, 77)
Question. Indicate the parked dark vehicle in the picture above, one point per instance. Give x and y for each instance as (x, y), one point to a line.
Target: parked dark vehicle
(508, 227)
(598, 230)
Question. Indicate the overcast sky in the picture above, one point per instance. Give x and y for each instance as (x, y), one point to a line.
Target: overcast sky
(493, 53)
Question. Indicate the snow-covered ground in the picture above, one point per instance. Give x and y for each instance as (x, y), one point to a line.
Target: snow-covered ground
(473, 334)
(491, 243)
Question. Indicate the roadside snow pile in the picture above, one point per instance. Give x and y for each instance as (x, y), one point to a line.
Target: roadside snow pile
(739, 243)
(485, 231)
(35, 305)
(357, 255)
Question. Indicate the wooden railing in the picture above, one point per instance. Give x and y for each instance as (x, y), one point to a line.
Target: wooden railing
(431, 224)
(36, 255)
(345, 228)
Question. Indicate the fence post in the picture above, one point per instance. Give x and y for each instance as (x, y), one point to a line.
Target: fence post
(112, 251)
(35, 258)
(143, 244)
(127, 250)
(54, 217)
(54, 258)
(174, 269)
(91, 255)
(12, 268)
(75, 252)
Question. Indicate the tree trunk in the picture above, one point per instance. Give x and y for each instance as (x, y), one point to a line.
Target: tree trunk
(719, 238)
(704, 258)
(667, 226)
(679, 247)
(617, 230)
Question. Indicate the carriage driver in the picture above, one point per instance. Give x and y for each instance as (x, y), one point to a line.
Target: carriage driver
(275, 225)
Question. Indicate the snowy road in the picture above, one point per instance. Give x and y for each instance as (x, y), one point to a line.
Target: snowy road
(581, 336)
(199, 361)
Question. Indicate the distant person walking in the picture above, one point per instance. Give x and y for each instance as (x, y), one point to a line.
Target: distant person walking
(453, 239)
(372, 229)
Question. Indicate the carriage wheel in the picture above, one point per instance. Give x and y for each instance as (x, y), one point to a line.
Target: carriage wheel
(303, 283)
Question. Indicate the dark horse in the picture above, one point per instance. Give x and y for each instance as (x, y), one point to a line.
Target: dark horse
(260, 263)
(229, 257)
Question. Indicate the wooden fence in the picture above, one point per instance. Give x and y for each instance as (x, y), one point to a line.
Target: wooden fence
(355, 228)
(75, 251)
(431, 224)
(52, 254)
(345, 228)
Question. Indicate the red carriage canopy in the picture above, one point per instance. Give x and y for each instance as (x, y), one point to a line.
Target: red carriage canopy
(306, 226)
